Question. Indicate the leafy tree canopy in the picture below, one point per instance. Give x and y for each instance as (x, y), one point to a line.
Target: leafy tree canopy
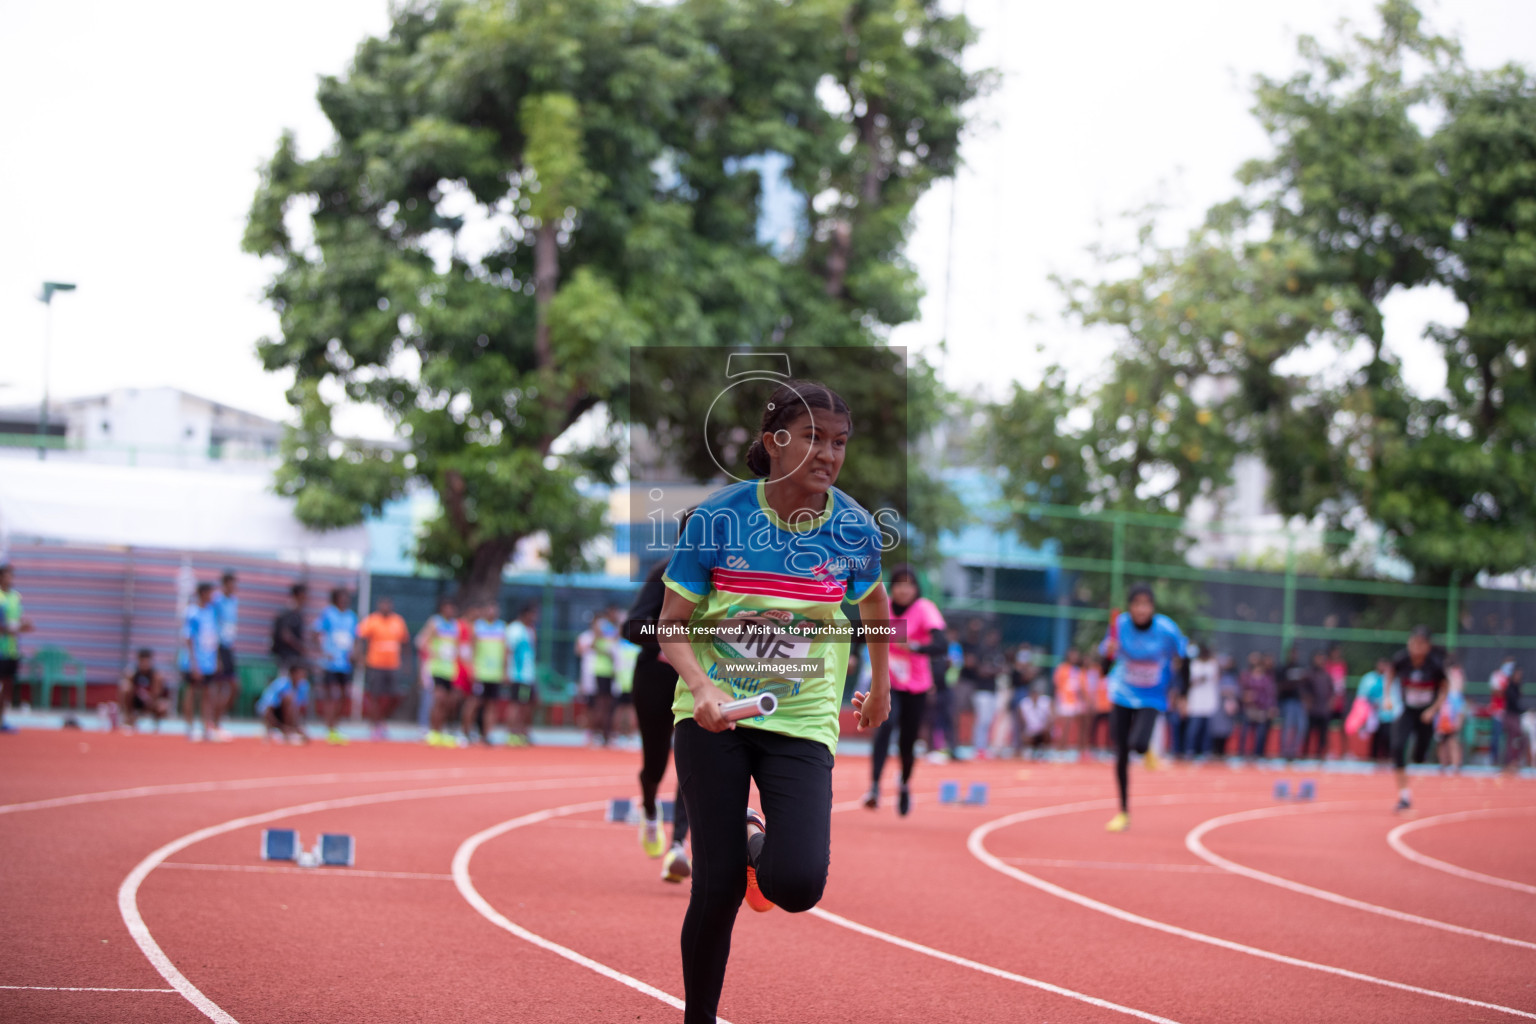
(519, 194)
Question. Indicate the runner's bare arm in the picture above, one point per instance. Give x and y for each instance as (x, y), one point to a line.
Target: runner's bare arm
(707, 697)
(874, 706)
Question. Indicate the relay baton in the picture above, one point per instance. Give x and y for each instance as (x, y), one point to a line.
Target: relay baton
(750, 707)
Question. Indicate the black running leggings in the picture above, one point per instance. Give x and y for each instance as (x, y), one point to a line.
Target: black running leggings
(794, 779)
(906, 709)
(1130, 729)
(1409, 726)
(655, 685)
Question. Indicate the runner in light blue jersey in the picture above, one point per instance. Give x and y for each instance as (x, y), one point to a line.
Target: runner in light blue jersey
(1148, 649)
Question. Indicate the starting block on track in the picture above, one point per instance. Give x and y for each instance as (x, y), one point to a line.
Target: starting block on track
(949, 792)
(1282, 790)
(333, 850)
(627, 811)
(1307, 790)
(976, 795)
(336, 850)
(279, 844)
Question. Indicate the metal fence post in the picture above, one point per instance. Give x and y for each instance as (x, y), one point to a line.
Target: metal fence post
(1117, 562)
(1453, 611)
(1288, 624)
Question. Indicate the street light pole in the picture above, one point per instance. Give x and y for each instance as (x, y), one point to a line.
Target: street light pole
(49, 287)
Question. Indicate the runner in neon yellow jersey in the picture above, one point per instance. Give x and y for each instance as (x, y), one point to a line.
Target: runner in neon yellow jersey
(759, 577)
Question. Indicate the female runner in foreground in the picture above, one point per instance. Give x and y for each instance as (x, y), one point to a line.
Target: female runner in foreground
(762, 563)
(1147, 649)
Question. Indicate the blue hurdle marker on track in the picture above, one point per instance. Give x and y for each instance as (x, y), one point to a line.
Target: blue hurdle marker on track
(949, 792)
(337, 850)
(1282, 790)
(976, 796)
(279, 844)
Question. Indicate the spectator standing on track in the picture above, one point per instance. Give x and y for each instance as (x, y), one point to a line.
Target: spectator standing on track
(1202, 701)
(1070, 681)
(1098, 684)
(586, 675)
(1022, 673)
(1519, 722)
(380, 638)
(1338, 672)
(654, 690)
(1228, 716)
(1497, 682)
(1419, 670)
(12, 625)
(1258, 696)
(605, 635)
(226, 608)
(488, 665)
(1317, 699)
(290, 629)
(943, 709)
(1375, 719)
(911, 683)
(821, 548)
(1146, 649)
(522, 675)
(284, 703)
(978, 671)
(438, 640)
(1452, 717)
(337, 631)
(199, 663)
(142, 688)
(1289, 684)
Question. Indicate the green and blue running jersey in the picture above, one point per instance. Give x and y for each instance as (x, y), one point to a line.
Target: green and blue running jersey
(744, 566)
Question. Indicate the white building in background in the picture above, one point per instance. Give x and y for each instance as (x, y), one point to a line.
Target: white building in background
(165, 426)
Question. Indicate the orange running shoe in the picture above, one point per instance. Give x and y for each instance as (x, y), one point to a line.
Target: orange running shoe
(755, 898)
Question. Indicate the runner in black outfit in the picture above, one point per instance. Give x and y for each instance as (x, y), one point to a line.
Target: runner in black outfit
(654, 686)
(1421, 671)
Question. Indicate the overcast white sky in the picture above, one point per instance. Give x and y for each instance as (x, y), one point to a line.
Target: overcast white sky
(133, 134)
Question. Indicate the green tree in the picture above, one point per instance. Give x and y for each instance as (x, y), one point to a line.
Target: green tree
(1393, 166)
(517, 195)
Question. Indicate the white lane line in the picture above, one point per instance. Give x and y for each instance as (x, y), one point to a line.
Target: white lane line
(976, 843)
(466, 886)
(1112, 865)
(1194, 842)
(66, 988)
(128, 892)
(278, 869)
(325, 779)
(1397, 842)
(996, 972)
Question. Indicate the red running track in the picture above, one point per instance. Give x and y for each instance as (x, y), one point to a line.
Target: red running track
(488, 888)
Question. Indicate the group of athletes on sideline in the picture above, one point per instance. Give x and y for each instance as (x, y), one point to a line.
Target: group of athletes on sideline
(314, 657)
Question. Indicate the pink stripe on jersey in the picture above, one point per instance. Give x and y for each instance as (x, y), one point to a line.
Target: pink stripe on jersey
(769, 584)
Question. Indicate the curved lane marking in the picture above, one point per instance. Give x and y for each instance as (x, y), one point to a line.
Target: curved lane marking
(976, 843)
(1194, 842)
(466, 851)
(466, 887)
(128, 892)
(996, 972)
(1397, 842)
(177, 788)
